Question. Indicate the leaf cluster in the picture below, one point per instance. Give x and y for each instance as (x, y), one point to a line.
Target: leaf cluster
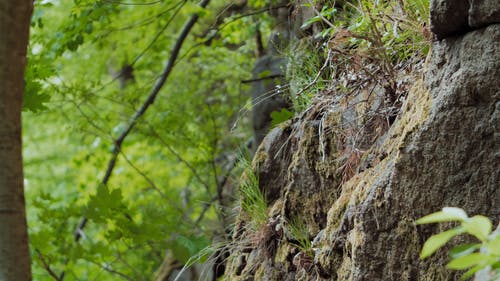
(474, 256)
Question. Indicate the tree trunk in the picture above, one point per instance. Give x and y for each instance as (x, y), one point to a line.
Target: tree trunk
(14, 33)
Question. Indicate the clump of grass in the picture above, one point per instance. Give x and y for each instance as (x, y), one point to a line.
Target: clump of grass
(300, 235)
(304, 64)
(365, 40)
(396, 29)
(252, 199)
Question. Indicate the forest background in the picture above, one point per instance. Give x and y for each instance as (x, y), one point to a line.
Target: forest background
(92, 65)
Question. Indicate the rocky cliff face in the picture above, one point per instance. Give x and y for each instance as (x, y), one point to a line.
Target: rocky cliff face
(358, 207)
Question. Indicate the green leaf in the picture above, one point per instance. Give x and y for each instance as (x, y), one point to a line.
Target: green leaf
(447, 214)
(35, 94)
(34, 99)
(186, 247)
(104, 204)
(192, 8)
(493, 245)
(280, 116)
(496, 265)
(264, 74)
(468, 261)
(479, 226)
(464, 249)
(310, 21)
(471, 272)
(76, 252)
(437, 241)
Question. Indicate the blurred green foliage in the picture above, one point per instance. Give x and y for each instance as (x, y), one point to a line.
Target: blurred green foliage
(473, 257)
(167, 173)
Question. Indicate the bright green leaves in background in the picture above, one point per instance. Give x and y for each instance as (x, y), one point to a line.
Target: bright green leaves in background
(155, 202)
(105, 204)
(187, 247)
(35, 95)
(281, 116)
(475, 256)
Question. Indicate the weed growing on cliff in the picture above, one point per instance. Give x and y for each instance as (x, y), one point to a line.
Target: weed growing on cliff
(304, 67)
(252, 200)
(395, 30)
(476, 256)
(363, 62)
(300, 235)
(375, 42)
(370, 42)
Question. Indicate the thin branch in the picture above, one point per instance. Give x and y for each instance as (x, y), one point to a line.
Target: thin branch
(206, 206)
(229, 169)
(142, 22)
(108, 268)
(274, 76)
(151, 183)
(46, 265)
(252, 13)
(220, 25)
(155, 187)
(132, 4)
(179, 157)
(157, 36)
(92, 123)
(138, 275)
(212, 151)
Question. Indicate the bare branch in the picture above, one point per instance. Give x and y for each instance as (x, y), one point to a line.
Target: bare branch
(274, 76)
(46, 265)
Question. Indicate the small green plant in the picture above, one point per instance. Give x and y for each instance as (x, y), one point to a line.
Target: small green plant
(298, 230)
(362, 42)
(326, 15)
(252, 199)
(309, 78)
(278, 117)
(474, 256)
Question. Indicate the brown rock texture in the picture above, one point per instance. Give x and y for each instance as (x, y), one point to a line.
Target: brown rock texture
(442, 150)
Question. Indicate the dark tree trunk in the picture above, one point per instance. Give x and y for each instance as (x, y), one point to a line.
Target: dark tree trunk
(14, 33)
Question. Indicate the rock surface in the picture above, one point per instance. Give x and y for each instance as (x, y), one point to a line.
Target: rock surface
(449, 17)
(484, 12)
(442, 150)
(453, 18)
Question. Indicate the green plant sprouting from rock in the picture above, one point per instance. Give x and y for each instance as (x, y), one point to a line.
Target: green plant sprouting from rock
(252, 199)
(300, 235)
(484, 255)
(358, 40)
